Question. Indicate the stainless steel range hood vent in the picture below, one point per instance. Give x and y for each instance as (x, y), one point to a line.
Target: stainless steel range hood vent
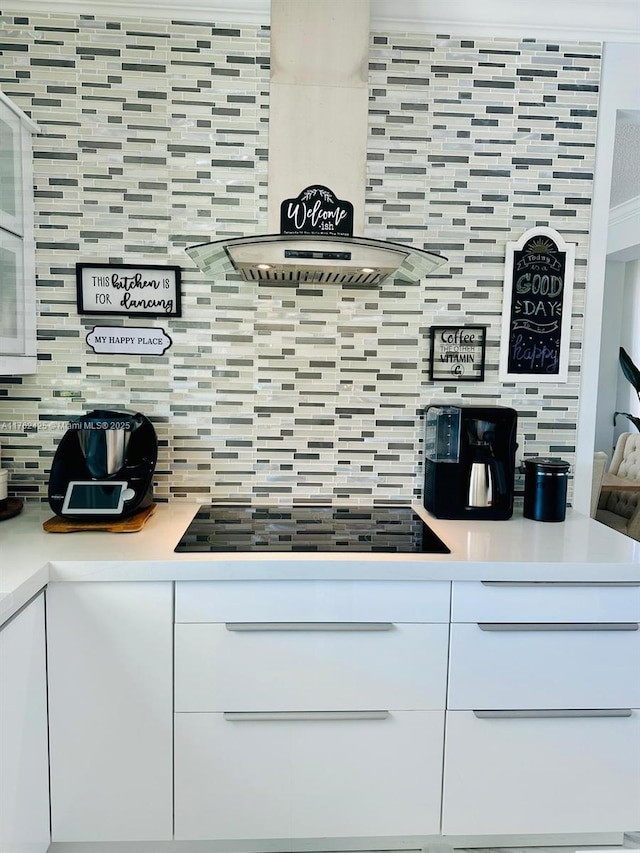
(348, 260)
(318, 133)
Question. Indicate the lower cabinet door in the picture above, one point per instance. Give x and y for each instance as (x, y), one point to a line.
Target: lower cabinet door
(403, 668)
(562, 666)
(110, 710)
(541, 774)
(24, 769)
(315, 774)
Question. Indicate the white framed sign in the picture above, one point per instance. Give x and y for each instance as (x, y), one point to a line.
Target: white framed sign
(153, 291)
(536, 310)
(128, 340)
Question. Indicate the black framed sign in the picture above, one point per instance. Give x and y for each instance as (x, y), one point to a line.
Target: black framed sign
(457, 353)
(151, 291)
(536, 312)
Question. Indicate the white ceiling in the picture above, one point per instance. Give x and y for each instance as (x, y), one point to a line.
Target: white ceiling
(625, 178)
(598, 20)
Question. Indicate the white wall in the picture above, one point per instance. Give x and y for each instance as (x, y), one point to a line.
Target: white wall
(620, 324)
(631, 312)
(623, 241)
(620, 91)
(609, 368)
(626, 399)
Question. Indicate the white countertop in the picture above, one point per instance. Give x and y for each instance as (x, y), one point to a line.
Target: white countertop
(578, 549)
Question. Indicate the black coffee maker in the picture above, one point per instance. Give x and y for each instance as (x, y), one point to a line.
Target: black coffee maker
(103, 466)
(469, 461)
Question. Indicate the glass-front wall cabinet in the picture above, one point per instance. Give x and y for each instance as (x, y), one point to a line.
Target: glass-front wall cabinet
(17, 263)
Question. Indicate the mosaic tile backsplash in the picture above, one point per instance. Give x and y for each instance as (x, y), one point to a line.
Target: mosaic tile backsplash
(155, 137)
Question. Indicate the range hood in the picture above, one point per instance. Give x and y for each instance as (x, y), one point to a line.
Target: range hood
(318, 129)
(349, 260)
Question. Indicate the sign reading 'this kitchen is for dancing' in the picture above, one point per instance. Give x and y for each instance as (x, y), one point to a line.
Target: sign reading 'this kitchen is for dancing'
(316, 212)
(125, 289)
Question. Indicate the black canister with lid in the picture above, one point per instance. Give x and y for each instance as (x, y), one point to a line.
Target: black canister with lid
(545, 489)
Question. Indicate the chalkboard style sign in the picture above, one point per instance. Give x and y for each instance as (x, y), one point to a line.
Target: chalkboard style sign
(316, 212)
(457, 353)
(536, 312)
(153, 291)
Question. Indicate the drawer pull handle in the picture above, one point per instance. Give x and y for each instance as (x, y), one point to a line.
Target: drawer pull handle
(280, 716)
(572, 584)
(308, 626)
(558, 626)
(509, 715)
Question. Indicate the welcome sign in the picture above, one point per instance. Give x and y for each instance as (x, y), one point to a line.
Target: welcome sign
(316, 212)
(536, 313)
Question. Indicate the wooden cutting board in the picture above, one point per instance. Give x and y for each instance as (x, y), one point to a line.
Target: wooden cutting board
(13, 507)
(131, 524)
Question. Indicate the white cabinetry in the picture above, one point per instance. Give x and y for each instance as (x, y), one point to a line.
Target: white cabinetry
(309, 709)
(110, 710)
(275, 777)
(307, 666)
(543, 726)
(534, 775)
(24, 772)
(17, 267)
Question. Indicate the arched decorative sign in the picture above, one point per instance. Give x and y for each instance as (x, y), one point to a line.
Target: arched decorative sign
(536, 311)
(317, 211)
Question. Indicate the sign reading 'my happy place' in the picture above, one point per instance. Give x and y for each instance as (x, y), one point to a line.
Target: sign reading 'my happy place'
(128, 340)
(153, 291)
(536, 312)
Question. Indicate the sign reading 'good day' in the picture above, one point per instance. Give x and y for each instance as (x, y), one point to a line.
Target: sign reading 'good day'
(536, 314)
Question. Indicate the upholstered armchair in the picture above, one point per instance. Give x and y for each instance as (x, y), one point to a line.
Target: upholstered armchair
(600, 460)
(621, 509)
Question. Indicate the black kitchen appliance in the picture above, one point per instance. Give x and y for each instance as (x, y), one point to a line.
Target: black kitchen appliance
(469, 461)
(309, 528)
(103, 466)
(545, 489)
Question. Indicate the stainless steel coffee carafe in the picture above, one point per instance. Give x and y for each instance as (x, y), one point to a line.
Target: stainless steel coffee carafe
(480, 485)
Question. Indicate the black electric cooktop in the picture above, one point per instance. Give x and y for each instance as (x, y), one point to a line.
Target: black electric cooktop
(305, 528)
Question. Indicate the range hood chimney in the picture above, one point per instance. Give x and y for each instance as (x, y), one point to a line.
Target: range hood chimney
(318, 103)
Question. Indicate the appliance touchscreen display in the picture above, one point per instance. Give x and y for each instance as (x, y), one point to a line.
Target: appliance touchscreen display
(89, 497)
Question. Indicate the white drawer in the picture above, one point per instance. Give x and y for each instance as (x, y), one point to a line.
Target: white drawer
(548, 665)
(312, 601)
(314, 777)
(294, 666)
(501, 601)
(529, 775)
